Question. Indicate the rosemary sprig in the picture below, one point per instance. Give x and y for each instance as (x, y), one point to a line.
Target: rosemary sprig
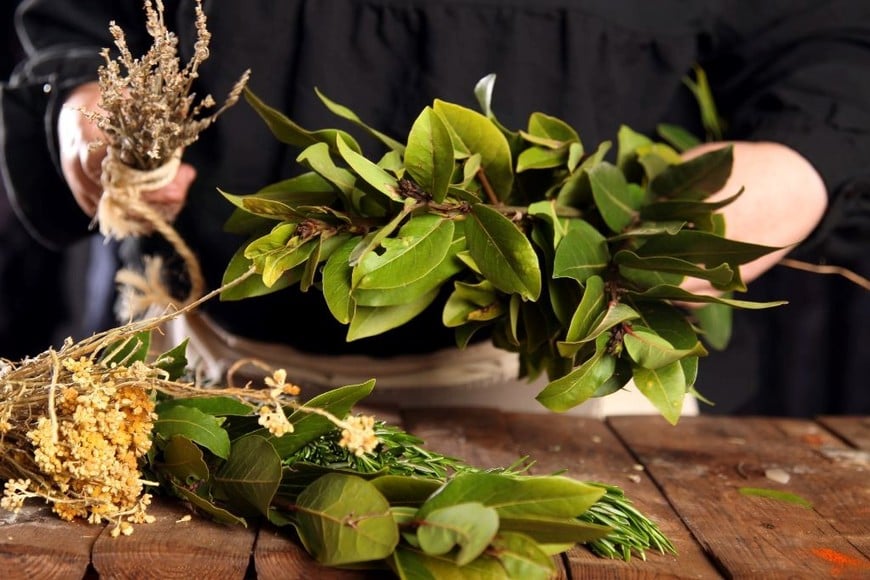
(632, 531)
(398, 453)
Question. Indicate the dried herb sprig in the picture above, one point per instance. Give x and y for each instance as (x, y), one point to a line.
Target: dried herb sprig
(149, 113)
(149, 110)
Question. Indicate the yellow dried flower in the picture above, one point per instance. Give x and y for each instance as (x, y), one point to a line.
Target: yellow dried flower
(358, 435)
(275, 421)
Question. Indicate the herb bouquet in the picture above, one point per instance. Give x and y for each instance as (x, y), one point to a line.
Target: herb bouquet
(90, 427)
(561, 255)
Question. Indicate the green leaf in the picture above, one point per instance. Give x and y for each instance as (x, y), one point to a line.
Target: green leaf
(369, 171)
(309, 426)
(405, 490)
(346, 113)
(723, 276)
(286, 199)
(471, 526)
(672, 324)
(677, 293)
(651, 351)
(201, 428)
(703, 248)
(205, 506)
(410, 289)
(552, 129)
(251, 475)
(515, 496)
(418, 249)
(548, 530)
(581, 253)
(616, 313)
(173, 361)
(183, 460)
(471, 302)
(277, 263)
(289, 132)
(671, 209)
(217, 406)
(715, 321)
(429, 156)
(483, 93)
(777, 495)
(337, 281)
(480, 135)
(371, 321)
(540, 158)
(627, 143)
(664, 387)
(697, 178)
(318, 158)
(522, 557)
(591, 307)
(503, 253)
(578, 385)
(613, 196)
(371, 241)
(677, 136)
(343, 519)
(253, 285)
(127, 351)
(410, 564)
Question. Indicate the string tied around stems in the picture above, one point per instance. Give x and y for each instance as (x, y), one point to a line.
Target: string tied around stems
(122, 213)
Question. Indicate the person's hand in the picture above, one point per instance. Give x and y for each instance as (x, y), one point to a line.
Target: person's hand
(81, 163)
(784, 200)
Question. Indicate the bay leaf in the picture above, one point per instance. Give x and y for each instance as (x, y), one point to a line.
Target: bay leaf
(343, 519)
(503, 253)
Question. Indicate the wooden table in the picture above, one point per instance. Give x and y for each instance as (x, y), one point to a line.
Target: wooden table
(686, 478)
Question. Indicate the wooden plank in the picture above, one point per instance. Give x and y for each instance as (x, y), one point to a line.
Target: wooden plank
(174, 548)
(701, 465)
(589, 451)
(35, 543)
(278, 557)
(854, 430)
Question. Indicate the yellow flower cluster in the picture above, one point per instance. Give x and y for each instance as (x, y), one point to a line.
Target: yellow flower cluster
(90, 446)
(273, 417)
(358, 435)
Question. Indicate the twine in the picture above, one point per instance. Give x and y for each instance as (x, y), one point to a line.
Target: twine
(122, 213)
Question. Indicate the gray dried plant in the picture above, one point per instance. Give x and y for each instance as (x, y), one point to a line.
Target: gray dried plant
(148, 108)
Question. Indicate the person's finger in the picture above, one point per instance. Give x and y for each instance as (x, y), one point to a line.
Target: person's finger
(91, 158)
(169, 200)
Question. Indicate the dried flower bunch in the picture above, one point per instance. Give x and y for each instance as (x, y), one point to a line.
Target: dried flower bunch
(149, 109)
(76, 424)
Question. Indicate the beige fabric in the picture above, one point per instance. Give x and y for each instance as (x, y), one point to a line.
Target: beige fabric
(478, 376)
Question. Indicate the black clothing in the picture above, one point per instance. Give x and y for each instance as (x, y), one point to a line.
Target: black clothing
(787, 70)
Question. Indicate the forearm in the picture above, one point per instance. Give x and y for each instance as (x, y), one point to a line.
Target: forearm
(784, 199)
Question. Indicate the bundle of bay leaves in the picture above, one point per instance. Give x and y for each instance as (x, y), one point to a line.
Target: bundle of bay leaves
(400, 507)
(567, 257)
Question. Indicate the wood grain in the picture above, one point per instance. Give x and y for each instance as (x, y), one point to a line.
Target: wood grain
(35, 543)
(701, 465)
(589, 451)
(855, 430)
(173, 548)
(278, 557)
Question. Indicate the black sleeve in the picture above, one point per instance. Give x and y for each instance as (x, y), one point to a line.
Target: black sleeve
(796, 72)
(62, 41)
